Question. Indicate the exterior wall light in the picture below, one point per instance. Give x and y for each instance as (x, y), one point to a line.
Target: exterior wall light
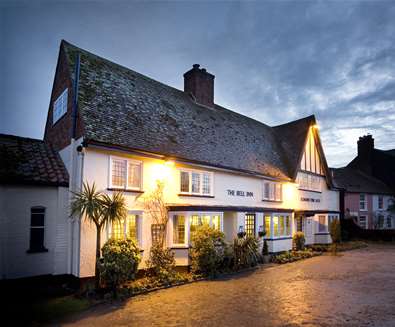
(169, 162)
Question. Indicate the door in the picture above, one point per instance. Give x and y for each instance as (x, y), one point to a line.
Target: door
(308, 230)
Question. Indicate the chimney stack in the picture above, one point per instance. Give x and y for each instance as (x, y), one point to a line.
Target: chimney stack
(200, 84)
(365, 153)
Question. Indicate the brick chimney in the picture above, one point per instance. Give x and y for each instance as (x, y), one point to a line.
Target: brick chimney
(200, 84)
(365, 152)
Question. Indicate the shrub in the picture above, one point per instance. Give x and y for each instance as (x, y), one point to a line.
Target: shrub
(162, 264)
(245, 252)
(299, 241)
(208, 251)
(119, 262)
(335, 231)
(265, 248)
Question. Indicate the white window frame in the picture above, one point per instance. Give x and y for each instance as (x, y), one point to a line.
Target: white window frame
(309, 182)
(382, 202)
(325, 224)
(365, 202)
(201, 173)
(127, 160)
(139, 221)
(60, 106)
(273, 186)
(365, 226)
(287, 233)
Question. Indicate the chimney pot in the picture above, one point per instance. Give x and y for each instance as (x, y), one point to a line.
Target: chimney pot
(196, 66)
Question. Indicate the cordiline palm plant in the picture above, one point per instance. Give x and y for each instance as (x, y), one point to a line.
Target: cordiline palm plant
(99, 208)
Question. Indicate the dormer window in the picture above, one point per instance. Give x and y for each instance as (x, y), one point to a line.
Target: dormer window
(60, 107)
(125, 173)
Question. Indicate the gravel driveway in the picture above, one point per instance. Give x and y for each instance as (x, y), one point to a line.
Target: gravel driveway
(356, 288)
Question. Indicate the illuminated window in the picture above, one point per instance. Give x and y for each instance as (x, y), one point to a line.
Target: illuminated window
(217, 222)
(37, 226)
(322, 224)
(196, 183)
(178, 229)
(59, 107)
(125, 228)
(275, 226)
(288, 225)
(249, 224)
(272, 191)
(125, 173)
(311, 159)
(196, 220)
(267, 226)
(281, 226)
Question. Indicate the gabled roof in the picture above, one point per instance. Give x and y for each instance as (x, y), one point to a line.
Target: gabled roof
(124, 108)
(354, 180)
(30, 161)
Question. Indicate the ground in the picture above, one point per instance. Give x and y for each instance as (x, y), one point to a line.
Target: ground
(356, 288)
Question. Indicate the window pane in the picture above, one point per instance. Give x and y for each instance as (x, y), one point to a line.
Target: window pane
(37, 219)
(249, 224)
(118, 172)
(282, 226)
(275, 226)
(321, 224)
(271, 189)
(36, 239)
(195, 183)
(278, 192)
(117, 230)
(266, 190)
(267, 226)
(206, 184)
(179, 230)
(132, 227)
(206, 220)
(217, 222)
(134, 175)
(194, 223)
(184, 181)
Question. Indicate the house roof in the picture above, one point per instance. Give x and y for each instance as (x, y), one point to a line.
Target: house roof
(354, 180)
(30, 161)
(121, 107)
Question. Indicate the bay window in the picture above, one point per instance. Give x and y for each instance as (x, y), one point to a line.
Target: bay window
(125, 173)
(272, 191)
(281, 224)
(196, 182)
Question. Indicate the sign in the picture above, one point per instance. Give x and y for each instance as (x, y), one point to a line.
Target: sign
(240, 193)
(310, 200)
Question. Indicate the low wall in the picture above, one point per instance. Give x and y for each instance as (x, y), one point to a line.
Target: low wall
(354, 231)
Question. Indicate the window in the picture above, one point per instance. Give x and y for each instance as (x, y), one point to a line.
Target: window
(272, 191)
(362, 221)
(125, 173)
(389, 221)
(281, 225)
(59, 107)
(380, 219)
(311, 159)
(194, 182)
(197, 219)
(322, 224)
(275, 226)
(267, 226)
(299, 224)
(125, 228)
(362, 202)
(178, 229)
(249, 224)
(37, 226)
(380, 202)
(157, 233)
(309, 182)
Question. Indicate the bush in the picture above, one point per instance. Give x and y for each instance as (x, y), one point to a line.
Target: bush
(245, 252)
(119, 262)
(162, 264)
(299, 241)
(291, 256)
(208, 251)
(265, 248)
(335, 231)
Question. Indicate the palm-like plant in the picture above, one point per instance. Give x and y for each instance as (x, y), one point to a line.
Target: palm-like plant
(101, 209)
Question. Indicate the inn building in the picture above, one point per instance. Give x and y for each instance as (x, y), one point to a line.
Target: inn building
(124, 131)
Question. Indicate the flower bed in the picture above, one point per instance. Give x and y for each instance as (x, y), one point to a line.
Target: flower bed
(291, 256)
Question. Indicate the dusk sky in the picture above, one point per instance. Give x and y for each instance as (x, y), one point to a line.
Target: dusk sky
(273, 61)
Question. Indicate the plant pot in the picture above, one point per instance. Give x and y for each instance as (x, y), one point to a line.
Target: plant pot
(266, 258)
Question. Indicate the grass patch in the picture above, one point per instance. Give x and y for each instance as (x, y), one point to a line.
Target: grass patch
(56, 308)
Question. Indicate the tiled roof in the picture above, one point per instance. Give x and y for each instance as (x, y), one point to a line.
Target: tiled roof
(354, 180)
(30, 161)
(121, 107)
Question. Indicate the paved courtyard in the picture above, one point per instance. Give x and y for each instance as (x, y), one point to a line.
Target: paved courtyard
(354, 289)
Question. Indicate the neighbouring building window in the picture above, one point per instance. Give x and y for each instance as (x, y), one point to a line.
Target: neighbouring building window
(178, 229)
(362, 202)
(389, 221)
(363, 222)
(125, 173)
(322, 224)
(380, 202)
(125, 228)
(249, 224)
(380, 220)
(195, 182)
(59, 107)
(272, 191)
(267, 226)
(37, 228)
